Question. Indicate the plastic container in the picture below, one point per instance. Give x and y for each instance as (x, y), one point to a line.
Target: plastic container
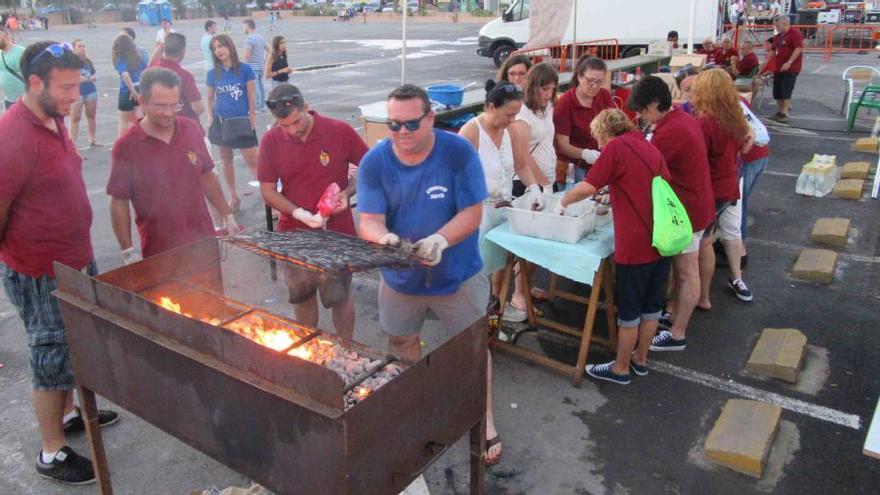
(818, 177)
(570, 228)
(446, 94)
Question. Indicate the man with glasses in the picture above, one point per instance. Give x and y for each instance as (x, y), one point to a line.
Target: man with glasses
(162, 168)
(45, 216)
(173, 51)
(307, 152)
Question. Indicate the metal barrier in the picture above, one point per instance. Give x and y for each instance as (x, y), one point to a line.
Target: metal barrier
(606, 49)
(827, 39)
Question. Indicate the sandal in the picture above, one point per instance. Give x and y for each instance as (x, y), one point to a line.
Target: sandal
(539, 295)
(496, 440)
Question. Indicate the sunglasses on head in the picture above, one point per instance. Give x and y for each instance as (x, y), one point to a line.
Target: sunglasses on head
(411, 125)
(57, 50)
(284, 101)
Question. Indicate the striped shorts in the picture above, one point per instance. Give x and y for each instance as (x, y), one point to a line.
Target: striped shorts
(41, 315)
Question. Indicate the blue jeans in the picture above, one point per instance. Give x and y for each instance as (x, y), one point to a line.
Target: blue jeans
(261, 90)
(749, 173)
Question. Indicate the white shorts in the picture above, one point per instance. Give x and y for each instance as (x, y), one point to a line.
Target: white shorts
(730, 221)
(694, 246)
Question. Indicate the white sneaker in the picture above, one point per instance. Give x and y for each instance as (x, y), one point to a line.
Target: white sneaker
(514, 314)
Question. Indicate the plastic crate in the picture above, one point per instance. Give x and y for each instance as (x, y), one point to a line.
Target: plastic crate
(579, 220)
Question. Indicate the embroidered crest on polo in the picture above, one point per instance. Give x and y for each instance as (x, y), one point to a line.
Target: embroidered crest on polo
(193, 157)
(436, 192)
(325, 158)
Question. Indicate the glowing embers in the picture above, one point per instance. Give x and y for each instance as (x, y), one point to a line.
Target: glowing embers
(267, 331)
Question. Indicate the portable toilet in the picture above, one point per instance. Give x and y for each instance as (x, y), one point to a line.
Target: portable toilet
(164, 11)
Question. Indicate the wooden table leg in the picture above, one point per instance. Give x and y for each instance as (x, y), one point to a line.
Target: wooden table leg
(478, 457)
(89, 409)
(554, 280)
(610, 309)
(588, 327)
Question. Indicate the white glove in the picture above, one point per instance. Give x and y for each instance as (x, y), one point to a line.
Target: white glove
(590, 156)
(389, 239)
(313, 220)
(232, 228)
(536, 199)
(558, 209)
(130, 256)
(430, 249)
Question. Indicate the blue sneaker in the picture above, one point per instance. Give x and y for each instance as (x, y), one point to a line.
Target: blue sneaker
(665, 342)
(603, 372)
(638, 369)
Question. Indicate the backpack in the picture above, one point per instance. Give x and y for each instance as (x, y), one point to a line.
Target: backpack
(672, 231)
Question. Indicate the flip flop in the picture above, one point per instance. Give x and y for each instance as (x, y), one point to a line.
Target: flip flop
(496, 440)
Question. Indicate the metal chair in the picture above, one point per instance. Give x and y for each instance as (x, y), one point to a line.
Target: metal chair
(760, 83)
(853, 77)
(869, 98)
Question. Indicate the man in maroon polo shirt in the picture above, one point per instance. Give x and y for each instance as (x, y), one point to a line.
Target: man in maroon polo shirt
(789, 48)
(173, 51)
(162, 168)
(45, 216)
(308, 152)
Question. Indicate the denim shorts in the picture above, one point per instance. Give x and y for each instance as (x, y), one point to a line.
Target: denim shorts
(41, 315)
(640, 291)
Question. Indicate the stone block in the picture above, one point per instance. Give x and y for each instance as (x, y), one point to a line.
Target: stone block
(831, 231)
(779, 353)
(869, 144)
(815, 265)
(742, 436)
(849, 188)
(855, 170)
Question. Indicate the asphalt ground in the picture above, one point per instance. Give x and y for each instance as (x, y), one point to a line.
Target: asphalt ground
(599, 438)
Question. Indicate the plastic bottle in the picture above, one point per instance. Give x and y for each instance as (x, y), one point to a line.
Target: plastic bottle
(569, 177)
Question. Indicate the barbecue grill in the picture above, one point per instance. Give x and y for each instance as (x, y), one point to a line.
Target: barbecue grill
(195, 342)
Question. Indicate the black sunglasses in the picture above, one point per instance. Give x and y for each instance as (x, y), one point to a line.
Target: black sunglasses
(411, 125)
(57, 50)
(284, 101)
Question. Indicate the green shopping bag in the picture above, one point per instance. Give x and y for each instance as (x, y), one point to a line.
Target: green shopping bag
(672, 231)
(672, 227)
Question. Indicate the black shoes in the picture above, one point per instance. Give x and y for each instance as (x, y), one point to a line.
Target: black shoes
(76, 425)
(68, 467)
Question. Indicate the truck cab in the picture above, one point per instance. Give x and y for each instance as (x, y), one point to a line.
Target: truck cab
(506, 34)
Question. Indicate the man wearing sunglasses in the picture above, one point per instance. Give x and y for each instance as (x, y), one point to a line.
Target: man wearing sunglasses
(424, 185)
(308, 152)
(162, 168)
(45, 216)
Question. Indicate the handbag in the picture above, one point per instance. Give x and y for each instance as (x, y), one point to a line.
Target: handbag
(234, 128)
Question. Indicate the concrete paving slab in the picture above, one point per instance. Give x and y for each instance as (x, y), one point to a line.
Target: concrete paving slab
(831, 231)
(866, 144)
(849, 188)
(742, 435)
(855, 170)
(815, 265)
(779, 353)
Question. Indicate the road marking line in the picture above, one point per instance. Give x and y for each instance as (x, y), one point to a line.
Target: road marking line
(734, 388)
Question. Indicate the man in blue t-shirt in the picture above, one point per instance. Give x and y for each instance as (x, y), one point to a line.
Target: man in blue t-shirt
(427, 186)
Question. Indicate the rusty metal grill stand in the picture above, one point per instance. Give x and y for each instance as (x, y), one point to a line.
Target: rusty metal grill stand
(279, 422)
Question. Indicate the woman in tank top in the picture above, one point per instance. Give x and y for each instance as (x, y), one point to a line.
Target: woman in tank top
(276, 69)
(535, 125)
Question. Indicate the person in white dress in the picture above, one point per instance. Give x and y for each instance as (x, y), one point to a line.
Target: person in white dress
(533, 135)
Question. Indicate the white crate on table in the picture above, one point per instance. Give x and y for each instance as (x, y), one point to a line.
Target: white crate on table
(570, 228)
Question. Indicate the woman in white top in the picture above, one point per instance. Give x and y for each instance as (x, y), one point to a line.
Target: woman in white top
(533, 135)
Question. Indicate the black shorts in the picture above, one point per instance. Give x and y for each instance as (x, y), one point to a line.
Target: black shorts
(783, 85)
(126, 103)
(214, 136)
(640, 292)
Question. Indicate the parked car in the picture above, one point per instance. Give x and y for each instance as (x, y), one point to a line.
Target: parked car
(51, 9)
(372, 7)
(252, 6)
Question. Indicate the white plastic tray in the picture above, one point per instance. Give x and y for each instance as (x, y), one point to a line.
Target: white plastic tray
(570, 228)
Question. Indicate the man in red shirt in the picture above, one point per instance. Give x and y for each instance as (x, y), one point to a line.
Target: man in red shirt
(45, 216)
(788, 46)
(679, 138)
(162, 168)
(173, 51)
(709, 50)
(308, 152)
(576, 109)
(627, 165)
(748, 62)
(727, 55)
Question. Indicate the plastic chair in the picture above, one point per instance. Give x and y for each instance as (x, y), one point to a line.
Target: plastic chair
(852, 78)
(869, 98)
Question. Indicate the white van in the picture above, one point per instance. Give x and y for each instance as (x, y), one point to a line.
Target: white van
(634, 23)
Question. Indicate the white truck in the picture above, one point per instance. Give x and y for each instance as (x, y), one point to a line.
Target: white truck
(634, 23)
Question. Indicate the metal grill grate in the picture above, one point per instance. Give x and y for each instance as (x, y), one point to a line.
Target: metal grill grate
(324, 251)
